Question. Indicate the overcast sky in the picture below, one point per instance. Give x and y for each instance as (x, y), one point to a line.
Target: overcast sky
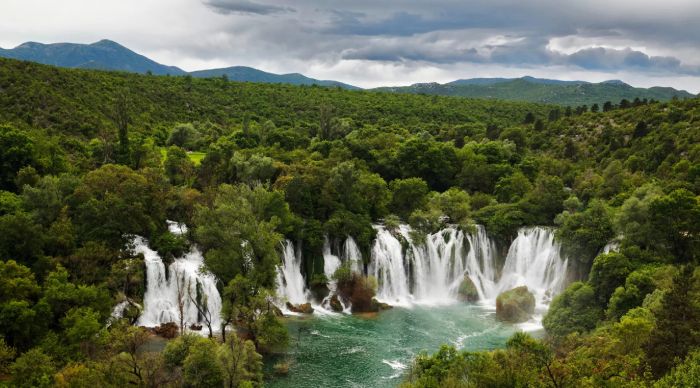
(374, 43)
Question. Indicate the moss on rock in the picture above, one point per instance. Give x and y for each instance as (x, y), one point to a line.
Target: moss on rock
(467, 291)
(516, 305)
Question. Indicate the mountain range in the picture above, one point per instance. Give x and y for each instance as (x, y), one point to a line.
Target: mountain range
(109, 55)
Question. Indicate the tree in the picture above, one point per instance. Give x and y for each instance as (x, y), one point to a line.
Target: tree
(201, 367)
(82, 326)
(546, 199)
(21, 238)
(685, 374)
(114, 201)
(529, 118)
(250, 306)
(421, 156)
(241, 363)
(574, 310)
(178, 167)
(637, 286)
(634, 220)
(181, 289)
(16, 282)
(139, 367)
(512, 187)
(254, 168)
(407, 195)
(537, 353)
(33, 369)
(16, 152)
(121, 117)
(237, 235)
(7, 354)
(677, 325)
(584, 234)
(200, 301)
(609, 271)
(674, 218)
(183, 136)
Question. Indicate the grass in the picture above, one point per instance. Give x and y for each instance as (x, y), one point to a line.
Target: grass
(195, 156)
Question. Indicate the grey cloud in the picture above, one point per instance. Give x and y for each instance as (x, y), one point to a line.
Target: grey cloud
(443, 33)
(245, 7)
(600, 58)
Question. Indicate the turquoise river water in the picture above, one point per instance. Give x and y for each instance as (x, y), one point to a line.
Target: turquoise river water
(342, 350)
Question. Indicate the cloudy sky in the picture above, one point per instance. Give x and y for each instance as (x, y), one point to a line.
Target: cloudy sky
(372, 43)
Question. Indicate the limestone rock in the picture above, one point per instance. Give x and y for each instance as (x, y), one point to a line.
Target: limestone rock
(303, 308)
(467, 291)
(516, 305)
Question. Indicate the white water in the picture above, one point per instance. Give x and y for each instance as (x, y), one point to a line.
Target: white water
(331, 262)
(161, 297)
(430, 273)
(291, 286)
(351, 253)
(407, 273)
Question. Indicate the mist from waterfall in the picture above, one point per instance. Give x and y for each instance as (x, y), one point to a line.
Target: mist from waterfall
(163, 293)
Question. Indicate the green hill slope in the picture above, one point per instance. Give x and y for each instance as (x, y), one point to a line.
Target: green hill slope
(570, 93)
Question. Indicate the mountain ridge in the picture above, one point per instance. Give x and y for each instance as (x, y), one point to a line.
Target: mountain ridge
(250, 74)
(548, 91)
(110, 55)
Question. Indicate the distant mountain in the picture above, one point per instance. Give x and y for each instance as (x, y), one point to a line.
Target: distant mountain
(103, 55)
(249, 74)
(542, 90)
(109, 55)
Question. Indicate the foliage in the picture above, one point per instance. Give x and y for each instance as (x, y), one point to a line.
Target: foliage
(89, 159)
(574, 310)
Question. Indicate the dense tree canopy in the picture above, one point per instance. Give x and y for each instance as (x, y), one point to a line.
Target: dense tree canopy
(89, 159)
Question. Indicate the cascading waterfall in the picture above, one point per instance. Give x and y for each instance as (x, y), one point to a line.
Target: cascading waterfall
(432, 271)
(291, 286)
(534, 261)
(331, 262)
(351, 253)
(163, 294)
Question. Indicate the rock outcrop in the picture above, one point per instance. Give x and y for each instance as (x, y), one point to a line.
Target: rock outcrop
(516, 305)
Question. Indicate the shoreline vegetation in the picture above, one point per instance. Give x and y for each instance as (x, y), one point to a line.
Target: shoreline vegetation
(90, 159)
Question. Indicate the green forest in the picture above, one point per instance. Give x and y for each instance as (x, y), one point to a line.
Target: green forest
(90, 159)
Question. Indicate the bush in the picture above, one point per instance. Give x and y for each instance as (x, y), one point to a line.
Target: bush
(33, 369)
(574, 310)
(608, 272)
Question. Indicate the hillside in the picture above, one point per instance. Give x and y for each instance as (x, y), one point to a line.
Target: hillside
(78, 101)
(249, 74)
(103, 55)
(570, 93)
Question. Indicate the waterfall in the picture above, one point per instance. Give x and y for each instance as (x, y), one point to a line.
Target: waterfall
(162, 296)
(481, 266)
(331, 262)
(291, 286)
(387, 266)
(534, 261)
(351, 253)
(430, 272)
